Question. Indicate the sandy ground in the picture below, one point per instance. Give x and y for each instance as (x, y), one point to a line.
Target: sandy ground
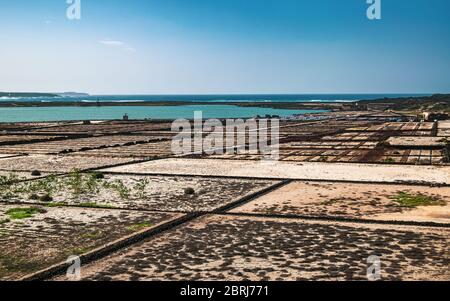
(153, 150)
(27, 126)
(2, 156)
(416, 141)
(291, 170)
(356, 154)
(50, 237)
(162, 193)
(444, 129)
(76, 145)
(241, 248)
(23, 138)
(362, 201)
(22, 175)
(50, 163)
(444, 133)
(444, 125)
(108, 127)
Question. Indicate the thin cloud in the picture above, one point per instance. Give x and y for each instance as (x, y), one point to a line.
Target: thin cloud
(112, 43)
(117, 44)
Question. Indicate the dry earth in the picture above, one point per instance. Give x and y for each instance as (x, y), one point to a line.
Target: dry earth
(53, 234)
(348, 200)
(291, 170)
(242, 248)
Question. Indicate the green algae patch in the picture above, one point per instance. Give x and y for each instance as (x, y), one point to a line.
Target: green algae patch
(92, 235)
(411, 201)
(138, 227)
(81, 251)
(23, 213)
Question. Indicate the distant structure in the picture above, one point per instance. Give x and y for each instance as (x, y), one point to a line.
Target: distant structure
(354, 106)
(430, 116)
(378, 106)
(125, 117)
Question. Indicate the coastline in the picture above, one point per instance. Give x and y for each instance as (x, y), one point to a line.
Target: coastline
(71, 109)
(273, 105)
(288, 101)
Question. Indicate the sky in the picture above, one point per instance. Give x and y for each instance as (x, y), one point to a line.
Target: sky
(225, 47)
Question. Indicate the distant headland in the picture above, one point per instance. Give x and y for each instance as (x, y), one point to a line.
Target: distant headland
(31, 94)
(34, 94)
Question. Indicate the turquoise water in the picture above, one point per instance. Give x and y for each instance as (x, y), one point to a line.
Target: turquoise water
(30, 114)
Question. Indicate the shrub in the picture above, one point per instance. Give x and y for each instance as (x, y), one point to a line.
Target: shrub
(97, 175)
(189, 191)
(36, 173)
(388, 160)
(140, 187)
(323, 159)
(34, 197)
(119, 187)
(46, 198)
(4, 221)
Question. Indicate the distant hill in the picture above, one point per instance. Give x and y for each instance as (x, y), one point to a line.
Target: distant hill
(32, 94)
(20, 94)
(419, 99)
(436, 102)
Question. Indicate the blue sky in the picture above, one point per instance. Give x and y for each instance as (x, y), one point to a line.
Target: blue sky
(225, 46)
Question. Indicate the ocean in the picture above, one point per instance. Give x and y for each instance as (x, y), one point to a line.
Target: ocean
(54, 113)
